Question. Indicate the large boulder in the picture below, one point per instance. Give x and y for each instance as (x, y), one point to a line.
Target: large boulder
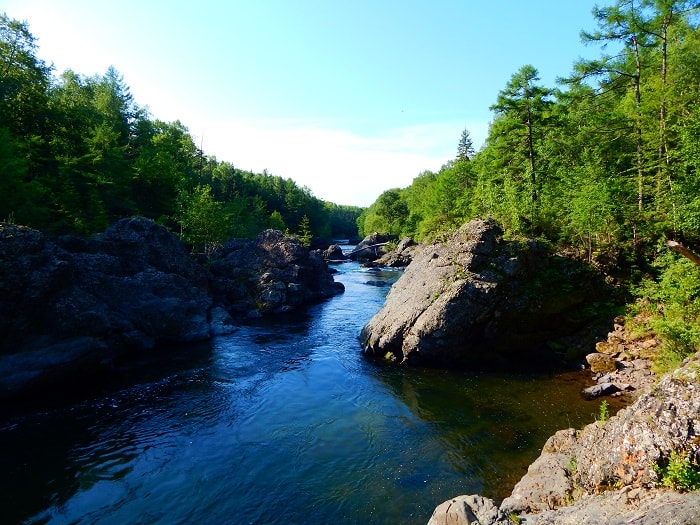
(272, 273)
(372, 247)
(68, 304)
(399, 257)
(478, 299)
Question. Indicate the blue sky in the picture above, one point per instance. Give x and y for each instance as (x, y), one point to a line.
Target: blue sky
(347, 98)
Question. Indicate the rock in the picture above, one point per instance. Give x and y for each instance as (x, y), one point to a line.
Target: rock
(272, 273)
(599, 390)
(626, 449)
(547, 483)
(371, 247)
(601, 363)
(69, 306)
(221, 322)
(480, 300)
(607, 347)
(334, 253)
(616, 507)
(466, 510)
(622, 452)
(399, 257)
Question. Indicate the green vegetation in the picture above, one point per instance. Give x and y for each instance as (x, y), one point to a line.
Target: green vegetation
(605, 165)
(680, 473)
(77, 153)
(603, 412)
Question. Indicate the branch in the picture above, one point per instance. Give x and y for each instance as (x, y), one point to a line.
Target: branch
(685, 252)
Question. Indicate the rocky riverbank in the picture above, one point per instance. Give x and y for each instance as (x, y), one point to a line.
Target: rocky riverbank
(608, 472)
(69, 306)
(479, 294)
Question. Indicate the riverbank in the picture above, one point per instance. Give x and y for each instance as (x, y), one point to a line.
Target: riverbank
(616, 469)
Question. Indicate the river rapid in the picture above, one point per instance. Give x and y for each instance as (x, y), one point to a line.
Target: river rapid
(283, 421)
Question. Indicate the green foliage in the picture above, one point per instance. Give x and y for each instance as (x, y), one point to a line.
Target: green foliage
(672, 302)
(76, 153)
(680, 474)
(305, 234)
(603, 412)
(203, 223)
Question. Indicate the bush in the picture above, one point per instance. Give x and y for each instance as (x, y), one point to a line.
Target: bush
(680, 474)
(672, 302)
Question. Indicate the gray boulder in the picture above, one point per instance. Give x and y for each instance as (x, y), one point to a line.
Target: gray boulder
(272, 273)
(371, 247)
(478, 299)
(334, 253)
(466, 510)
(399, 257)
(69, 304)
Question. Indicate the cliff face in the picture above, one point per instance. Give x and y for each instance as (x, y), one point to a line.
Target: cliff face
(481, 300)
(69, 305)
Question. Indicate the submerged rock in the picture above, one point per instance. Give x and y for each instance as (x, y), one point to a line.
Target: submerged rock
(481, 300)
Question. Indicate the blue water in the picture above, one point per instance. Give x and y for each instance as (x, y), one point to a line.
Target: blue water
(283, 421)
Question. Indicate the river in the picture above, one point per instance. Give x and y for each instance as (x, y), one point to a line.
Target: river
(283, 421)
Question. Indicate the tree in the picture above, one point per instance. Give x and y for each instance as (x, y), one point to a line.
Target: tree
(521, 107)
(621, 23)
(203, 223)
(465, 148)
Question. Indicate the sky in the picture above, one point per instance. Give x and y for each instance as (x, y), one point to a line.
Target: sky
(346, 98)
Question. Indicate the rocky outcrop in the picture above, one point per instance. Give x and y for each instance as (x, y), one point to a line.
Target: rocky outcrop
(273, 273)
(481, 300)
(69, 305)
(399, 257)
(371, 247)
(609, 471)
(621, 365)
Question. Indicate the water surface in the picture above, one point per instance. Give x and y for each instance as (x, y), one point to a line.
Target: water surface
(282, 422)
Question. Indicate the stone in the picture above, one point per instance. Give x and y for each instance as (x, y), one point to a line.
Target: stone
(601, 363)
(372, 247)
(71, 305)
(271, 274)
(599, 390)
(334, 253)
(466, 510)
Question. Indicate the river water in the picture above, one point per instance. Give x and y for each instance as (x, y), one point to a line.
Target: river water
(283, 421)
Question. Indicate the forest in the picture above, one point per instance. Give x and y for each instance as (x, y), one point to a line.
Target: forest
(606, 165)
(603, 166)
(78, 152)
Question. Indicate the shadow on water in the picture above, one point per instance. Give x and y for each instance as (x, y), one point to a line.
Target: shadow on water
(493, 425)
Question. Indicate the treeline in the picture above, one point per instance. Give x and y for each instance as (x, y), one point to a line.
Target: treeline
(77, 153)
(607, 163)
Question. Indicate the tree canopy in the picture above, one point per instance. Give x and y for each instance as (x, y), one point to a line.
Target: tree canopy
(78, 152)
